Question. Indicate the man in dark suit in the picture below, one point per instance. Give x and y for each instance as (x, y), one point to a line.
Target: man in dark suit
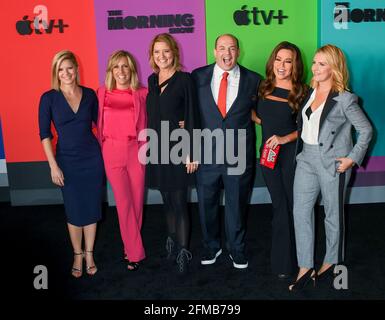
(226, 95)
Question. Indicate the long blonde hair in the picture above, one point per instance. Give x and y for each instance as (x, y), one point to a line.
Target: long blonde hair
(56, 62)
(110, 82)
(337, 62)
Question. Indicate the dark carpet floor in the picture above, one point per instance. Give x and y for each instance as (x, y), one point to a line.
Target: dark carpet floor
(38, 236)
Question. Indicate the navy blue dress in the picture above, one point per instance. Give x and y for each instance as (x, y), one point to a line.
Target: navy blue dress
(77, 153)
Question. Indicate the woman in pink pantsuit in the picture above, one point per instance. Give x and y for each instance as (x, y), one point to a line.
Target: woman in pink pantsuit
(122, 115)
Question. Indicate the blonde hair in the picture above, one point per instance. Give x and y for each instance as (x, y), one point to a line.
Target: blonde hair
(56, 62)
(112, 62)
(337, 62)
(171, 42)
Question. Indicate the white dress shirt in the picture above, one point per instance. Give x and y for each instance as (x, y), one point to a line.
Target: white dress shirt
(310, 128)
(232, 84)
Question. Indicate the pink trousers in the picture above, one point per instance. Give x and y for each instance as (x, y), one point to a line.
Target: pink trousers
(126, 176)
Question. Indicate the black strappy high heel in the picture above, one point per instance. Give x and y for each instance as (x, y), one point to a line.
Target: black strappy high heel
(76, 272)
(132, 266)
(91, 270)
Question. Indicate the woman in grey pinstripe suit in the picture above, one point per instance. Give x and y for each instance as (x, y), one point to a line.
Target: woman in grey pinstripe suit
(324, 164)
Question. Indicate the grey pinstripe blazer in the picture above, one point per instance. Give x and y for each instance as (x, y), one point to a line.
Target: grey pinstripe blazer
(340, 113)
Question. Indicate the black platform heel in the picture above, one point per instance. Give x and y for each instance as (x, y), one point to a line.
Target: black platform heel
(131, 265)
(327, 274)
(327, 277)
(302, 282)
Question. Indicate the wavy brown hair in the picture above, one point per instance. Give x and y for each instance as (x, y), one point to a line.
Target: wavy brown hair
(299, 88)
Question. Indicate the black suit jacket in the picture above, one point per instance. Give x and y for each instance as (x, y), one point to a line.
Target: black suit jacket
(239, 115)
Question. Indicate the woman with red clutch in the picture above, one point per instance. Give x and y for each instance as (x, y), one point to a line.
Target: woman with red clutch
(280, 96)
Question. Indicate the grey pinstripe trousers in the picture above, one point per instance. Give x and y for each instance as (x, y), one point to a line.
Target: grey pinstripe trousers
(311, 179)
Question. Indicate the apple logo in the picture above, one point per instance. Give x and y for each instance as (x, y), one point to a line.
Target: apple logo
(241, 16)
(23, 27)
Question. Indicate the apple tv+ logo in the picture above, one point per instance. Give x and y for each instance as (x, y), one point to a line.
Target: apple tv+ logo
(242, 17)
(26, 27)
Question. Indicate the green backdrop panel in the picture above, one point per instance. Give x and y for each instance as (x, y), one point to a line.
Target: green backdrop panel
(260, 26)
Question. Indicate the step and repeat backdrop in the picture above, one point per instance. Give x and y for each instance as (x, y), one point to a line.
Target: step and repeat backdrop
(33, 31)
(4, 189)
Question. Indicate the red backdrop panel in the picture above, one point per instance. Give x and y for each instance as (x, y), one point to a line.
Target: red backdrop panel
(27, 61)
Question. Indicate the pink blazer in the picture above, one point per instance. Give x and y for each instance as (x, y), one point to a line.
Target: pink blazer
(140, 111)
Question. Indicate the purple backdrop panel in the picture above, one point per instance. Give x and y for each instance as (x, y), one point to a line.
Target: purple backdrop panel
(368, 179)
(371, 174)
(374, 164)
(132, 24)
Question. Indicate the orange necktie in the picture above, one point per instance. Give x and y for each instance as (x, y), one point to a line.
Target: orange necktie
(222, 94)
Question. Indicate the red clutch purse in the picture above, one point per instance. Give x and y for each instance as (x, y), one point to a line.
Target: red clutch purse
(269, 156)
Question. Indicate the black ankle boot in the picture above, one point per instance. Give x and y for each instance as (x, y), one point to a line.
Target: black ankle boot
(182, 260)
(170, 248)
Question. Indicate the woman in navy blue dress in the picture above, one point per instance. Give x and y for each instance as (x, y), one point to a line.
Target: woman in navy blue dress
(78, 166)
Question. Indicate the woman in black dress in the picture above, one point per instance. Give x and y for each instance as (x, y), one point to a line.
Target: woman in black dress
(280, 96)
(171, 102)
(77, 167)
